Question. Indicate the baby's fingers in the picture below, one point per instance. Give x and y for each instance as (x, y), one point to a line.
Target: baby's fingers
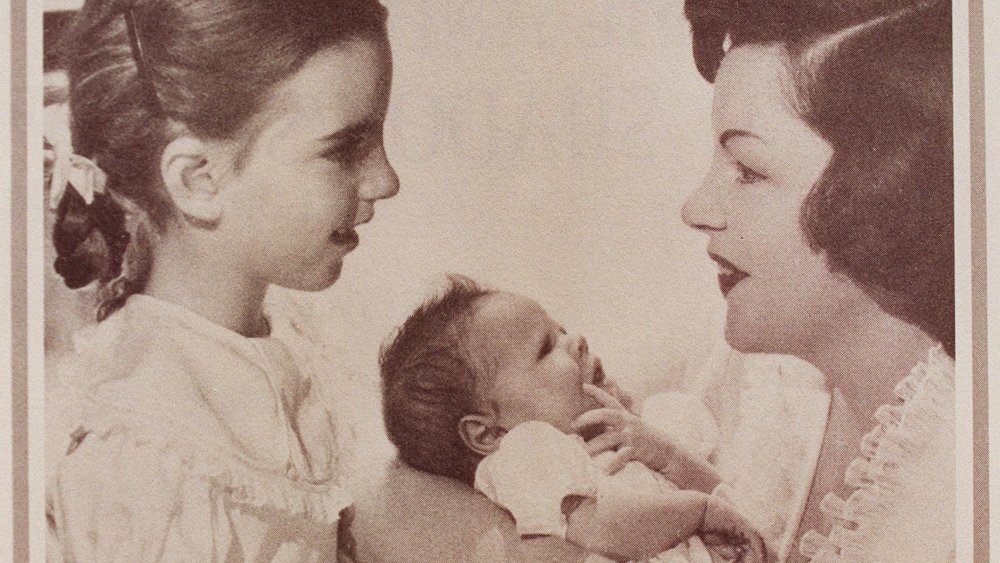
(620, 460)
(606, 416)
(604, 442)
(603, 397)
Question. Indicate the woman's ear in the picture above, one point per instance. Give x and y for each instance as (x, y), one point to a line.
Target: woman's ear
(481, 433)
(186, 169)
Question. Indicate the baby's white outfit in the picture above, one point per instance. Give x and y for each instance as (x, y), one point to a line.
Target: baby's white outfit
(537, 466)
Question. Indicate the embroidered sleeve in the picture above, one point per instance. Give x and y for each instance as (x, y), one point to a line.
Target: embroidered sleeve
(536, 468)
(116, 497)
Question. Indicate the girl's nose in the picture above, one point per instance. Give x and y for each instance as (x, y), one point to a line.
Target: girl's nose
(382, 181)
(701, 209)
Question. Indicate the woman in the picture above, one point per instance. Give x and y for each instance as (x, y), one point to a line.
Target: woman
(219, 147)
(828, 207)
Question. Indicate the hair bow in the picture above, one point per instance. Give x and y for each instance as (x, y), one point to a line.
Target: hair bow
(65, 167)
(73, 170)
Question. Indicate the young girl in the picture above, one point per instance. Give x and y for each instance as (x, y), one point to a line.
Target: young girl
(219, 147)
(484, 387)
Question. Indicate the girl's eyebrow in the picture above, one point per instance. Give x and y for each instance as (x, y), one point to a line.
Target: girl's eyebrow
(731, 133)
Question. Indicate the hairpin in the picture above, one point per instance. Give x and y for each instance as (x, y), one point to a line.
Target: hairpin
(139, 56)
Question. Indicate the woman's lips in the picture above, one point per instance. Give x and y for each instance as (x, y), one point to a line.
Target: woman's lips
(729, 275)
(345, 237)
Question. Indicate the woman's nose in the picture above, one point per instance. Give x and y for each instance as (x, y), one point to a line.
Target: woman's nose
(381, 181)
(701, 209)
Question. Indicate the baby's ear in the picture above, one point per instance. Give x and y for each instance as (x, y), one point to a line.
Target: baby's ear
(481, 433)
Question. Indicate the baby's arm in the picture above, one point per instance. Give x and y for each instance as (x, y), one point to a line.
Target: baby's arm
(627, 525)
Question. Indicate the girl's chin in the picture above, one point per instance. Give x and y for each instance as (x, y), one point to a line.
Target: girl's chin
(316, 281)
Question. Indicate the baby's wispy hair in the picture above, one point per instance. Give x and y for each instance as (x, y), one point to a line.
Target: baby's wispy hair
(429, 382)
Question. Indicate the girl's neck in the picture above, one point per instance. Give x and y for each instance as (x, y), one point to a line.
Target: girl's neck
(868, 357)
(185, 277)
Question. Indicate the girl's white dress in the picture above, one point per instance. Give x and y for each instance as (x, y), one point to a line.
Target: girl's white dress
(903, 505)
(170, 438)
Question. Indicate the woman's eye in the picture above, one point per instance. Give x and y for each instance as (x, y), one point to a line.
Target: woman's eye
(748, 176)
(343, 154)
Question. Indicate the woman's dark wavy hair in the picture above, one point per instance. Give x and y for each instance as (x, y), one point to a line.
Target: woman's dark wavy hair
(873, 78)
(206, 65)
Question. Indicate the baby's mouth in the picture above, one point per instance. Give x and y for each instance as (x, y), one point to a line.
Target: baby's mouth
(729, 275)
(598, 376)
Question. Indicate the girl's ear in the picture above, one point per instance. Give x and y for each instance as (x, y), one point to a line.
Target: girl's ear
(187, 174)
(481, 433)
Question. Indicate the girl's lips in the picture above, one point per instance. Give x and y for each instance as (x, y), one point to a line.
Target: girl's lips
(729, 274)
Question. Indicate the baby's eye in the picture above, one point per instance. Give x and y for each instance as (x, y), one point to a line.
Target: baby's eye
(748, 176)
(547, 345)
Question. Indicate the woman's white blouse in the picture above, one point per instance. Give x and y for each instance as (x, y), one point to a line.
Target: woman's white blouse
(773, 415)
(903, 505)
(171, 438)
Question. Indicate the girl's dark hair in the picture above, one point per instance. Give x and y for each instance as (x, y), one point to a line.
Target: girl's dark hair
(874, 79)
(430, 381)
(207, 65)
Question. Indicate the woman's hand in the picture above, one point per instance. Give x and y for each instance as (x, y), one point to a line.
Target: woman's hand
(633, 440)
(730, 536)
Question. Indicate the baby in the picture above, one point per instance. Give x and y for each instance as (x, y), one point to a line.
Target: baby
(484, 387)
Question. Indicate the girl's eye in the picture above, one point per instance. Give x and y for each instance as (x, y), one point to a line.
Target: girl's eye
(352, 150)
(547, 347)
(748, 176)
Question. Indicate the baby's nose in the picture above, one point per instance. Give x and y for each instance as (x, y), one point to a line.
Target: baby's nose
(580, 345)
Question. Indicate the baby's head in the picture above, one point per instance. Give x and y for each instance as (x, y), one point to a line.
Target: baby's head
(473, 363)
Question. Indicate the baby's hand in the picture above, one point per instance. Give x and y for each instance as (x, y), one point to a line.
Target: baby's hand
(725, 531)
(624, 433)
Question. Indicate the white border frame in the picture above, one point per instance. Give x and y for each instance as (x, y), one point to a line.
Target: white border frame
(963, 280)
(6, 366)
(35, 239)
(964, 508)
(991, 71)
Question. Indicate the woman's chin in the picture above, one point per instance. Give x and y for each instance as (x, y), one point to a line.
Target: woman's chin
(747, 339)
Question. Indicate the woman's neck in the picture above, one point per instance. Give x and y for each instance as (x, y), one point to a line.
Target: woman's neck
(183, 276)
(868, 357)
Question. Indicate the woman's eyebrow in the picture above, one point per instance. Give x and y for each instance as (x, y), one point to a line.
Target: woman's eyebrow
(730, 133)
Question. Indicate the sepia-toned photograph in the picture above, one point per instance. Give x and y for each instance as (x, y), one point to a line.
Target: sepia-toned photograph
(474, 281)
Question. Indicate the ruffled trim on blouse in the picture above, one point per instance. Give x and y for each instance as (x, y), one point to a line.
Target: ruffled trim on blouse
(903, 433)
(242, 483)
